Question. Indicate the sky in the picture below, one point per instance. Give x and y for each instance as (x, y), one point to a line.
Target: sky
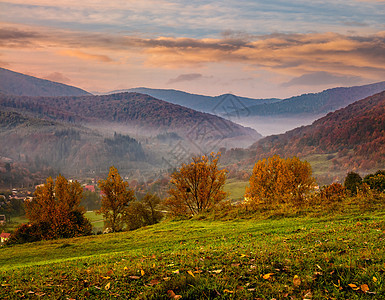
(257, 49)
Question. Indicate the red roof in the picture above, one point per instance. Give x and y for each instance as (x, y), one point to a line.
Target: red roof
(90, 188)
(5, 235)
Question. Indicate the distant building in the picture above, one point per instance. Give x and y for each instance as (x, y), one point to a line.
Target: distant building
(90, 188)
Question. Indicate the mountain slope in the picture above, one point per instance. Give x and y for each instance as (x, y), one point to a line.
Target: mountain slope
(318, 103)
(133, 109)
(215, 105)
(37, 144)
(356, 133)
(14, 83)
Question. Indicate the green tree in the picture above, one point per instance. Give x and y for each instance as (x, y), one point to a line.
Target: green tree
(197, 186)
(144, 212)
(116, 195)
(56, 204)
(376, 181)
(352, 182)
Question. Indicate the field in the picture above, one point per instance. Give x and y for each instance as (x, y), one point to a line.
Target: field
(339, 256)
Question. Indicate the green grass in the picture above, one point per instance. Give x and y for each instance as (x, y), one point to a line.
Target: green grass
(236, 189)
(201, 259)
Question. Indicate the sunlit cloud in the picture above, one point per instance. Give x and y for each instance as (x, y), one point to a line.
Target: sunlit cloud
(185, 77)
(85, 56)
(322, 78)
(291, 54)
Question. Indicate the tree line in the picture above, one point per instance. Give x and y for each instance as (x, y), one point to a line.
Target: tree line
(195, 188)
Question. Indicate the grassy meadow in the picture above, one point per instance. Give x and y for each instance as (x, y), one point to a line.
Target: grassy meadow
(325, 256)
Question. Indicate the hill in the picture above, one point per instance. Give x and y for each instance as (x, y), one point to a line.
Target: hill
(37, 148)
(352, 138)
(317, 103)
(13, 83)
(141, 112)
(330, 256)
(214, 105)
(269, 116)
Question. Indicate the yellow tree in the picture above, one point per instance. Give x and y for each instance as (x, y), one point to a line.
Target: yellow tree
(276, 180)
(115, 199)
(197, 186)
(56, 204)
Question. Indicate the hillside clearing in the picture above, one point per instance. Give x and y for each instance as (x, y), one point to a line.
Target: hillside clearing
(329, 257)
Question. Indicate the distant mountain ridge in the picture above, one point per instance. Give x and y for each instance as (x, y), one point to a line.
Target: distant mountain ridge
(214, 105)
(133, 109)
(318, 103)
(356, 133)
(311, 103)
(13, 83)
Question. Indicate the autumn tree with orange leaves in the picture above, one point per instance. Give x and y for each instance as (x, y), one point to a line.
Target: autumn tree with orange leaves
(56, 207)
(196, 186)
(276, 180)
(115, 199)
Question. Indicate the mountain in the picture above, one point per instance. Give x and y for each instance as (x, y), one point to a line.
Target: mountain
(34, 145)
(13, 83)
(219, 105)
(317, 103)
(270, 116)
(351, 138)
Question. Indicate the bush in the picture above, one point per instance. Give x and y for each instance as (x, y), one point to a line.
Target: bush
(333, 193)
(352, 182)
(376, 181)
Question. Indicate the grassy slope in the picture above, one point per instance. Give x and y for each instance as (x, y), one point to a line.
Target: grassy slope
(199, 259)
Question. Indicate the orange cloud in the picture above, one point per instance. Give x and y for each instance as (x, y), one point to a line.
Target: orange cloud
(286, 54)
(85, 56)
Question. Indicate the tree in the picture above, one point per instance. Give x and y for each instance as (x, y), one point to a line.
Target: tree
(276, 180)
(376, 181)
(197, 186)
(56, 204)
(333, 192)
(144, 212)
(115, 199)
(352, 181)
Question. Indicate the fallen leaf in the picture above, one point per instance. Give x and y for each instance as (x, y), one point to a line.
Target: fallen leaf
(268, 276)
(364, 288)
(296, 280)
(172, 295)
(176, 271)
(125, 268)
(142, 272)
(228, 291)
(217, 271)
(191, 273)
(308, 295)
(154, 282)
(166, 278)
(107, 286)
(353, 286)
(134, 277)
(107, 277)
(374, 279)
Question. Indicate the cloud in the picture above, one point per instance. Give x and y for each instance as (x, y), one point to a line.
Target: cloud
(185, 77)
(57, 77)
(285, 54)
(322, 78)
(86, 56)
